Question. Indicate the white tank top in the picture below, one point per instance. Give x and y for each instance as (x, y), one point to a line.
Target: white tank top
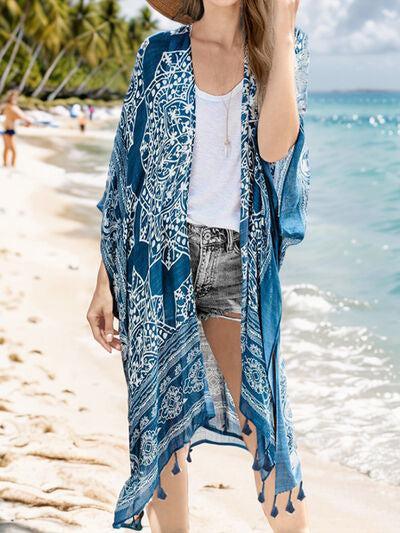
(214, 186)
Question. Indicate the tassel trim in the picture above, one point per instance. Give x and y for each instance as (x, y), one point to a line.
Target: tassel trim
(176, 469)
(261, 496)
(274, 510)
(188, 457)
(289, 506)
(264, 463)
(257, 462)
(246, 427)
(268, 462)
(301, 495)
(136, 524)
(161, 494)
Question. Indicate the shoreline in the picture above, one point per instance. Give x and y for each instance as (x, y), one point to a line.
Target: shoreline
(77, 459)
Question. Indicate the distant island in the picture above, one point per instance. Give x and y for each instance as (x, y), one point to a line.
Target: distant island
(347, 91)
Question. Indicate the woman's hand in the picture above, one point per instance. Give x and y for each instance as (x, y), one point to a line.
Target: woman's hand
(100, 313)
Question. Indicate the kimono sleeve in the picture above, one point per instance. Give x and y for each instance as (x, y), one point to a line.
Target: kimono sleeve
(113, 201)
(290, 176)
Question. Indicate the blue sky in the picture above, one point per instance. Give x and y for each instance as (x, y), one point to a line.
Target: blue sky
(354, 43)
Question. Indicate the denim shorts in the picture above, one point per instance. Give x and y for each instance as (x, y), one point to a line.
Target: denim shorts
(216, 270)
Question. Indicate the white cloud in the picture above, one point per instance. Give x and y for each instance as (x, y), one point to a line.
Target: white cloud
(345, 36)
(352, 26)
(131, 7)
(335, 26)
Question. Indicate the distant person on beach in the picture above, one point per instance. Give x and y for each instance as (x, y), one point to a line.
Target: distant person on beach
(207, 187)
(11, 113)
(75, 110)
(82, 121)
(91, 111)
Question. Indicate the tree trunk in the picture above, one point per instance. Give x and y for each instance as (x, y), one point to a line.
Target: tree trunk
(54, 94)
(110, 82)
(48, 73)
(9, 41)
(30, 67)
(90, 76)
(10, 63)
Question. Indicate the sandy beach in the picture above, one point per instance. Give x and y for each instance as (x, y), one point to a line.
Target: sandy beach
(63, 428)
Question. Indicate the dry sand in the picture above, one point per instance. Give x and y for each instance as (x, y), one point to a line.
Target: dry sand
(63, 429)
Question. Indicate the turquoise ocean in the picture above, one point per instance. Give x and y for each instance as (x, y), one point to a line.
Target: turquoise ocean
(341, 332)
(341, 327)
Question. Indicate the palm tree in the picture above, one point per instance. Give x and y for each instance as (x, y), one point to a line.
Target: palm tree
(13, 55)
(33, 15)
(11, 11)
(138, 29)
(122, 69)
(68, 42)
(87, 40)
(14, 13)
(45, 32)
(114, 31)
(81, 25)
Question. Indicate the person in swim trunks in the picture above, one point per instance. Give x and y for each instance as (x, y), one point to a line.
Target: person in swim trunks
(11, 113)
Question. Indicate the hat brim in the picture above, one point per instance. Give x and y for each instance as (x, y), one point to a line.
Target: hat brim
(170, 9)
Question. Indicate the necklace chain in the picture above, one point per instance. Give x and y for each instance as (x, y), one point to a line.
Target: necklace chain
(227, 141)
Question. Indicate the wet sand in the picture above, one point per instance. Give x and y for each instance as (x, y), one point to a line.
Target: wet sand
(63, 429)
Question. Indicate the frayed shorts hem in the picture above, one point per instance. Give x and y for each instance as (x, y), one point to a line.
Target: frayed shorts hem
(218, 313)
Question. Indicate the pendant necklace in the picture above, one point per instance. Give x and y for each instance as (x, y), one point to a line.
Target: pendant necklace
(227, 140)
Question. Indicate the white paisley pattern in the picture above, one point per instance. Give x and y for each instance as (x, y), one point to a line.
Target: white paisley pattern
(256, 375)
(172, 403)
(195, 380)
(173, 389)
(148, 447)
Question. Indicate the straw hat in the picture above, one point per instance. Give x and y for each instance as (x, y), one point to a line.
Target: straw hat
(171, 9)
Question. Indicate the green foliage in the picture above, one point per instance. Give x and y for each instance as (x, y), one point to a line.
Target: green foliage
(64, 48)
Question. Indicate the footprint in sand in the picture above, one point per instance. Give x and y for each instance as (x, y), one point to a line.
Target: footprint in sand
(10, 527)
(15, 358)
(36, 351)
(5, 459)
(34, 319)
(4, 408)
(73, 473)
(216, 486)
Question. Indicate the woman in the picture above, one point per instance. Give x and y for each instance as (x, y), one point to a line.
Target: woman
(207, 186)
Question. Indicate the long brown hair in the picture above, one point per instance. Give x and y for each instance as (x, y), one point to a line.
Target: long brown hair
(257, 16)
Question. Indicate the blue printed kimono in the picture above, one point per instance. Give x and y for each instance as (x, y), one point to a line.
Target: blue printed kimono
(176, 393)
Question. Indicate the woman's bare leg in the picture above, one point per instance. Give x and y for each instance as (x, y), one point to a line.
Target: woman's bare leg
(13, 149)
(6, 148)
(9, 147)
(172, 514)
(224, 338)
